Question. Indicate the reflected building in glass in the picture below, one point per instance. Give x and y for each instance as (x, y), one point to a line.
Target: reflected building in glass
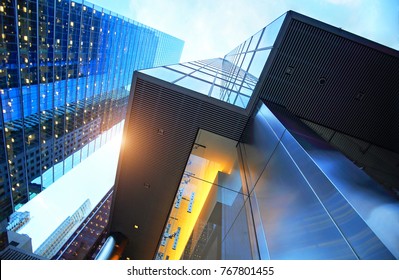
(283, 149)
(65, 75)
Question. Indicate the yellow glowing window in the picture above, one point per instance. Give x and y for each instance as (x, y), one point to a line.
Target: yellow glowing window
(25, 38)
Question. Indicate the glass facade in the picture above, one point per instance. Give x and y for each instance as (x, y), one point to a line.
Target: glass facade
(231, 79)
(208, 219)
(65, 74)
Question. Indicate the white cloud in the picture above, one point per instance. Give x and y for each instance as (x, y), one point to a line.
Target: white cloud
(213, 28)
(345, 2)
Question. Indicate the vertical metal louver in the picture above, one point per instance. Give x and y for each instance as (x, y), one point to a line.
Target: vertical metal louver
(358, 93)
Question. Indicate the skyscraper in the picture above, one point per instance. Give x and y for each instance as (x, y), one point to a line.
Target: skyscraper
(278, 150)
(65, 74)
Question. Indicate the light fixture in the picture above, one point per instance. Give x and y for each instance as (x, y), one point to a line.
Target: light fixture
(289, 70)
(359, 96)
(322, 81)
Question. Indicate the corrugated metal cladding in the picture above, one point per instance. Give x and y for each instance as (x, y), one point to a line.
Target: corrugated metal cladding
(11, 253)
(162, 128)
(338, 83)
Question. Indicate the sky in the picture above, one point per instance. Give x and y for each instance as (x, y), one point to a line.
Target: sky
(52, 206)
(211, 28)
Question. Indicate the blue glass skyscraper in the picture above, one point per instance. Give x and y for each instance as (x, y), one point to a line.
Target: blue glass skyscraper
(65, 74)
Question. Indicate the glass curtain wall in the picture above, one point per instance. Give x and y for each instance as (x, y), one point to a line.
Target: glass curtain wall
(209, 217)
(231, 79)
(65, 74)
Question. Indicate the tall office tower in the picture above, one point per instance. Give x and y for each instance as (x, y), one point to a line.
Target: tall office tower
(279, 150)
(65, 73)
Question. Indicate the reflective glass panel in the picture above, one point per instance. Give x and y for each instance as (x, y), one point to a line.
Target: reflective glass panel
(209, 213)
(163, 74)
(195, 84)
(270, 33)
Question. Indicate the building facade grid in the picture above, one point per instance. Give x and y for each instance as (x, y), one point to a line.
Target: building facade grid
(65, 72)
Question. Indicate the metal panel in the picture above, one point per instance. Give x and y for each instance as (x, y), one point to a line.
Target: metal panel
(363, 241)
(260, 139)
(359, 94)
(295, 223)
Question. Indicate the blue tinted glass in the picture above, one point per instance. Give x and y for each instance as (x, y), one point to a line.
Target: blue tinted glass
(258, 63)
(270, 33)
(181, 68)
(203, 76)
(163, 74)
(254, 41)
(195, 84)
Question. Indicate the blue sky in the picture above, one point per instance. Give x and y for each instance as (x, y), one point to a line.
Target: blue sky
(211, 28)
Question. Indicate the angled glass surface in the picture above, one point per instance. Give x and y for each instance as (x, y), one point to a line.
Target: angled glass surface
(231, 79)
(210, 212)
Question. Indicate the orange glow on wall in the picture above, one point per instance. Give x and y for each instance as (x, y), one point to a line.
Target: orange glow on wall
(207, 171)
